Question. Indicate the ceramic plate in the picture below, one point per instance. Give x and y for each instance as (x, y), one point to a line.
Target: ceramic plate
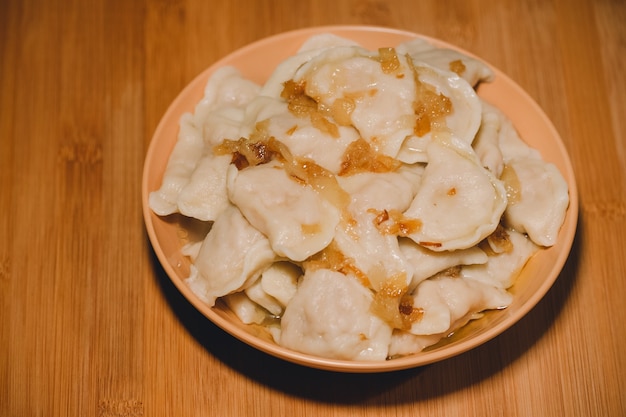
(256, 62)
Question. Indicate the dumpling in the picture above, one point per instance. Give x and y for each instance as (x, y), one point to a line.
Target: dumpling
(377, 101)
(257, 293)
(330, 316)
(205, 197)
(426, 263)
(404, 343)
(471, 69)
(182, 162)
(486, 144)
(218, 113)
(461, 120)
(226, 88)
(232, 255)
(447, 302)
(380, 191)
(371, 241)
(501, 269)
(510, 143)
(374, 253)
(308, 50)
(297, 220)
(304, 140)
(280, 281)
(538, 199)
(244, 308)
(459, 202)
(223, 123)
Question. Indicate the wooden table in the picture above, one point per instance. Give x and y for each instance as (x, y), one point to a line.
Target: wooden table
(91, 326)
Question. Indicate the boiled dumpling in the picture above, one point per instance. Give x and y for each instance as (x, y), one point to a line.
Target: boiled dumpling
(204, 197)
(426, 263)
(486, 144)
(225, 94)
(538, 199)
(471, 69)
(404, 343)
(226, 88)
(181, 164)
(378, 102)
(287, 68)
(281, 281)
(501, 269)
(297, 220)
(461, 120)
(510, 143)
(446, 301)
(459, 202)
(257, 293)
(244, 308)
(330, 316)
(305, 140)
(371, 241)
(375, 254)
(380, 191)
(232, 255)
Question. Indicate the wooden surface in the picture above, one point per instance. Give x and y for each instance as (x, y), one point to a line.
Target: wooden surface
(91, 326)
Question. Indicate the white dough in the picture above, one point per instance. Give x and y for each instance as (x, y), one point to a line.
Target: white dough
(204, 197)
(500, 270)
(383, 112)
(420, 49)
(181, 164)
(281, 281)
(426, 263)
(296, 219)
(244, 308)
(542, 200)
(232, 255)
(330, 317)
(446, 300)
(459, 202)
(307, 141)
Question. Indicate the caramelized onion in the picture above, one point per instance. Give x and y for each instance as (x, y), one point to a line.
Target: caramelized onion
(457, 66)
(301, 105)
(430, 108)
(361, 157)
(392, 303)
(393, 222)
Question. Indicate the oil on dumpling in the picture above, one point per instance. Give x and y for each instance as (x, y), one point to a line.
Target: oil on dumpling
(305, 140)
(446, 103)
(359, 90)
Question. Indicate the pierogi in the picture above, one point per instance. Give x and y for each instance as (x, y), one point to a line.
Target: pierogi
(359, 205)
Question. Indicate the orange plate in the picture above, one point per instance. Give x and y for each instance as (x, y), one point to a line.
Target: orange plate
(256, 62)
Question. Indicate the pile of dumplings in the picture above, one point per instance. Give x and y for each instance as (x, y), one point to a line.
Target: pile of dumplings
(361, 205)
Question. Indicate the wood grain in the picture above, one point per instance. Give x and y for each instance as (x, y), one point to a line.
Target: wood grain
(90, 324)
